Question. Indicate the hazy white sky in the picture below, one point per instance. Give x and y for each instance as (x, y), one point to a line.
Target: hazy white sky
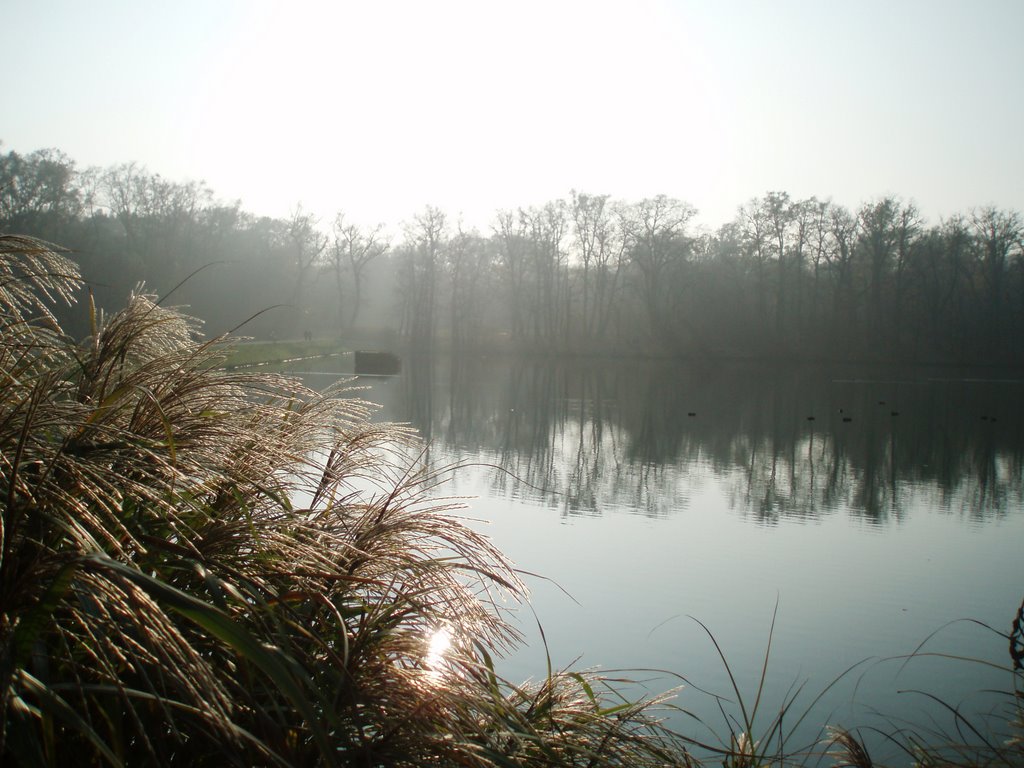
(379, 108)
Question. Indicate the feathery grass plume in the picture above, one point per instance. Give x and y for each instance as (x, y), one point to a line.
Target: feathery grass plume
(33, 275)
(163, 601)
(847, 750)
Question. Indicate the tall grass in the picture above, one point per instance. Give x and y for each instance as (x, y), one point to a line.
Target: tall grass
(163, 602)
(957, 735)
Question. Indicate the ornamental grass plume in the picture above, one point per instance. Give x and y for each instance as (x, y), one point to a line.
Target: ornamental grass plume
(164, 601)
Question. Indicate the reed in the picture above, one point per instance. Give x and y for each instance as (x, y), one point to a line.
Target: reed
(163, 601)
(757, 731)
(978, 737)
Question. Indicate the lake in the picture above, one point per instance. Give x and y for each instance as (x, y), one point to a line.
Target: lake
(871, 510)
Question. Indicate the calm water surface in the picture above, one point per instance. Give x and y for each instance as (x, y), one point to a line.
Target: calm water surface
(873, 507)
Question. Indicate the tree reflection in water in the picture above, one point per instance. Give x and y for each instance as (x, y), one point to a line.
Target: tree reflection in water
(588, 436)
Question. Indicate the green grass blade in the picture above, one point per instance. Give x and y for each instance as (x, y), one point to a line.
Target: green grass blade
(54, 705)
(283, 671)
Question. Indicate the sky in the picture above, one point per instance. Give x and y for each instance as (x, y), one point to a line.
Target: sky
(378, 109)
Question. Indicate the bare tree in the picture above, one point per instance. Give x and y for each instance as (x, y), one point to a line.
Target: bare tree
(159, 219)
(908, 229)
(545, 229)
(878, 236)
(426, 238)
(304, 245)
(817, 213)
(755, 235)
(940, 272)
(844, 229)
(591, 223)
(659, 249)
(352, 251)
(887, 228)
(510, 229)
(997, 235)
(803, 217)
(610, 257)
(468, 261)
(778, 213)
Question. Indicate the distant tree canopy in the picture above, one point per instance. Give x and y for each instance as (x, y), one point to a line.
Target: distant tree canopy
(785, 278)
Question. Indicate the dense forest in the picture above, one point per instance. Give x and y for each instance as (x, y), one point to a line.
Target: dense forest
(786, 278)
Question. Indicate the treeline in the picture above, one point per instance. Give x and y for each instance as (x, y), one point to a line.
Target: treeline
(786, 278)
(125, 225)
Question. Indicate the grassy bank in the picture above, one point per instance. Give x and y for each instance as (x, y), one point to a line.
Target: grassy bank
(263, 352)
